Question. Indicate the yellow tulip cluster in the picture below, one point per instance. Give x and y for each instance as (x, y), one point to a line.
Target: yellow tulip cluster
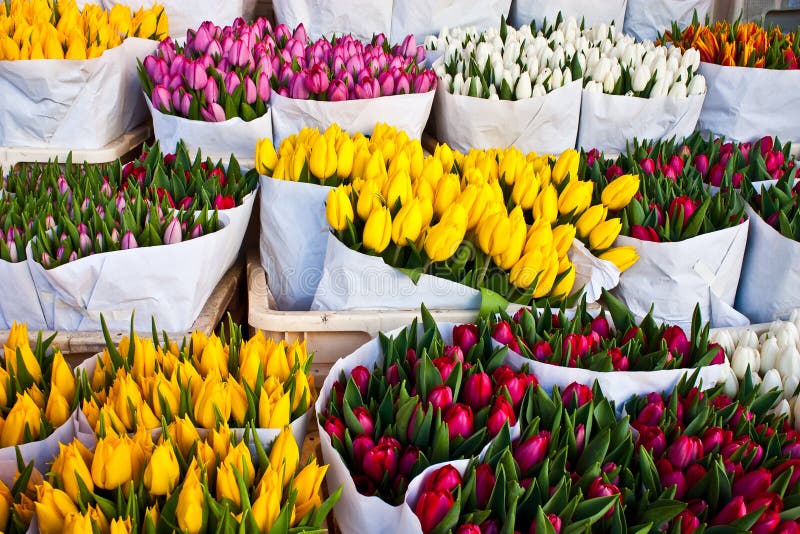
(32, 405)
(259, 381)
(46, 29)
(181, 479)
(498, 218)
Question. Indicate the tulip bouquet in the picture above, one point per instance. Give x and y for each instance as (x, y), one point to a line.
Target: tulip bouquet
(40, 29)
(731, 460)
(778, 205)
(754, 59)
(180, 482)
(210, 381)
(766, 159)
(37, 390)
(425, 402)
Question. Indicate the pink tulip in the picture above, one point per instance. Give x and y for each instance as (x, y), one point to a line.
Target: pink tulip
(156, 68)
(735, 509)
(211, 90)
(432, 508)
(195, 75)
(172, 234)
(263, 88)
(250, 93)
(532, 451)
(478, 391)
(128, 241)
(213, 113)
(162, 99)
(446, 478)
(335, 427)
(459, 420)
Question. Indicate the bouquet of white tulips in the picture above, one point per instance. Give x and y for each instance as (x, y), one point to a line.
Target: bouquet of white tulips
(591, 12)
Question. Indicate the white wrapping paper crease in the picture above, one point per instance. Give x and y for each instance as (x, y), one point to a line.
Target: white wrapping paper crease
(768, 289)
(422, 18)
(545, 124)
(170, 283)
(323, 18)
(75, 104)
(645, 19)
(18, 299)
(183, 15)
(592, 11)
(674, 277)
(609, 122)
(405, 112)
(41, 453)
(591, 273)
(84, 432)
(744, 104)
(217, 140)
(294, 234)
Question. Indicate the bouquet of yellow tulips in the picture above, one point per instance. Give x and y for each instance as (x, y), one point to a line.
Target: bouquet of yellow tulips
(37, 390)
(212, 381)
(495, 219)
(46, 29)
(179, 482)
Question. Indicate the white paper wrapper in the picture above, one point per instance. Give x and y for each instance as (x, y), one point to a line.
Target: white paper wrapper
(355, 281)
(592, 11)
(41, 453)
(170, 283)
(592, 273)
(674, 277)
(768, 290)
(609, 122)
(645, 19)
(75, 104)
(217, 140)
(744, 104)
(18, 299)
(294, 234)
(405, 112)
(546, 124)
(323, 18)
(422, 18)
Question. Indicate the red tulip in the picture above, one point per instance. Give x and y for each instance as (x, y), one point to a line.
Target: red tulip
(446, 478)
(600, 326)
(477, 391)
(441, 397)
(364, 419)
(685, 451)
(334, 427)
(652, 438)
(502, 332)
(767, 523)
(688, 521)
(408, 460)
(614, 171)
(380, 461)
(632, 333)
(445, 366)
(645, 233)
(576, 344)
(454, 352)
(542, 351)
(465, 336)
(719, 357)
(714, 438)
(694, 474)
(361, 445)
(677, 342)
(766, 144)
(648, 166)
(753, 483)
(532, 452)
(651, 414)
(576, 395)
(554, 520)
(619, 361)
(469, 528)
(682, 205)
(432, 507)
(484, 484)
(788, 527)
(361, 377)
(459, 420)
(769, 500)
(676, 479)
(500, 413)
(515, 386)
(732, 511)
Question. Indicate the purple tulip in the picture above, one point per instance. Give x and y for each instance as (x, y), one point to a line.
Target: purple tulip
(186, 103)
(211, 90)
(172, 234)
(195, 75)
(231, 82)
(177, 65)
(250, 93)
(425, 82)
(213, 113)
(128, 241)
(166, 49)
(337, 91)
(162, 99)
(201, 39)
(263, 88)
(197, 231)
(84, 242)
(298, 88)
(156, 68)
(239, 54)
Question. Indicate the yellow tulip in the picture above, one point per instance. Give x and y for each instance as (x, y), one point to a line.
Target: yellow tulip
(227, 486)
(53, 48)
(120, 526)
(285, 455)
(214, 397)
(191, 504)
(516, 240)
(445, 154)
(512, 159)
(124, 394)
(432, 171)
(339, 209)
(322, 162)
(546, 205)
(167, 392)
(590, 219)
(299, 164)
(307, 483)
(378, 230)
(620, 191)
(184, 433)
(277, 363)
(563, 236)
(493, 234)
(52, 507)
(622, 257)
(540, 236)
(417, 158)
(443, 239)
(604, 235)
(575, 198)
(564, 286)
(9, 49)
(220, 440)
(566, 166)
(266, 156)
(69, 467)
(77, 523)
(526, 190)
(150, 517)
(62, 376)
(24, 418)
(29, 361)
(239, 402)
(240, 458)
(525, 272)
(18, 336)
(369, 200)
(345, 158)
(267, 505)
(399, 163)
(58, 408)
(144, 357)
(76, 49)
(398, 189)
(37, 395)
(362, 157)
(274, 413)
(163, 472)
(111, 467)
(214, 358)
(408, 224)
(447, 191)
(301, 394)
(545, 284)
(5, 385)
(92, 412)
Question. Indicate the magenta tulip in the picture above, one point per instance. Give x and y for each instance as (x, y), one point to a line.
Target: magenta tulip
(459, 420)
(753, 483)
(408, 460)
(477, 391)
(364, 419)
(465, 336)
(500, 413)
(485, 481)
(432, 507)
(361, 376)
(682, 205)
(446, 478)
(685, 451)
(735, 509)
(532, 451)
(162, 99)
(576, 395)
(128, 241)
(361, 445)
(334, 427)
(379, 462)
(441, 397)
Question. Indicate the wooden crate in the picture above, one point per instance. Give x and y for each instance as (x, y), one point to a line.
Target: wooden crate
(77, 346)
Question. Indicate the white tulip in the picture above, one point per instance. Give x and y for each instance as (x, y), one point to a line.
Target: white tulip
(678, 90)
(524, 89)
(786, 334)
(675, 54)
(641, 78)
(755, 378)
(691, 59)
(771, 380)
(569, 50)
(626, 58)
(544, 74)
(789, 362)
(482, 55)
(744, 357)
(795, 318)
(556, 80)
(533, 64)
(458, 84)
(508, 78)
(673, 64)
(748, 338)
(571, 29)
(447, 80)
(770, 352)
(557, 38)
(431, 42)
(497, 43)
(566, 76)
(790, 384)
(538, 90)
(660, 88)
(724, 339)
(601, 69)
(558, 60)
(599, 32)
(594, 87)
(493, 93)
(782, 409)
(511, 55)
(731, 388)
(698, 85)
(609, 82)
(545, 57)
